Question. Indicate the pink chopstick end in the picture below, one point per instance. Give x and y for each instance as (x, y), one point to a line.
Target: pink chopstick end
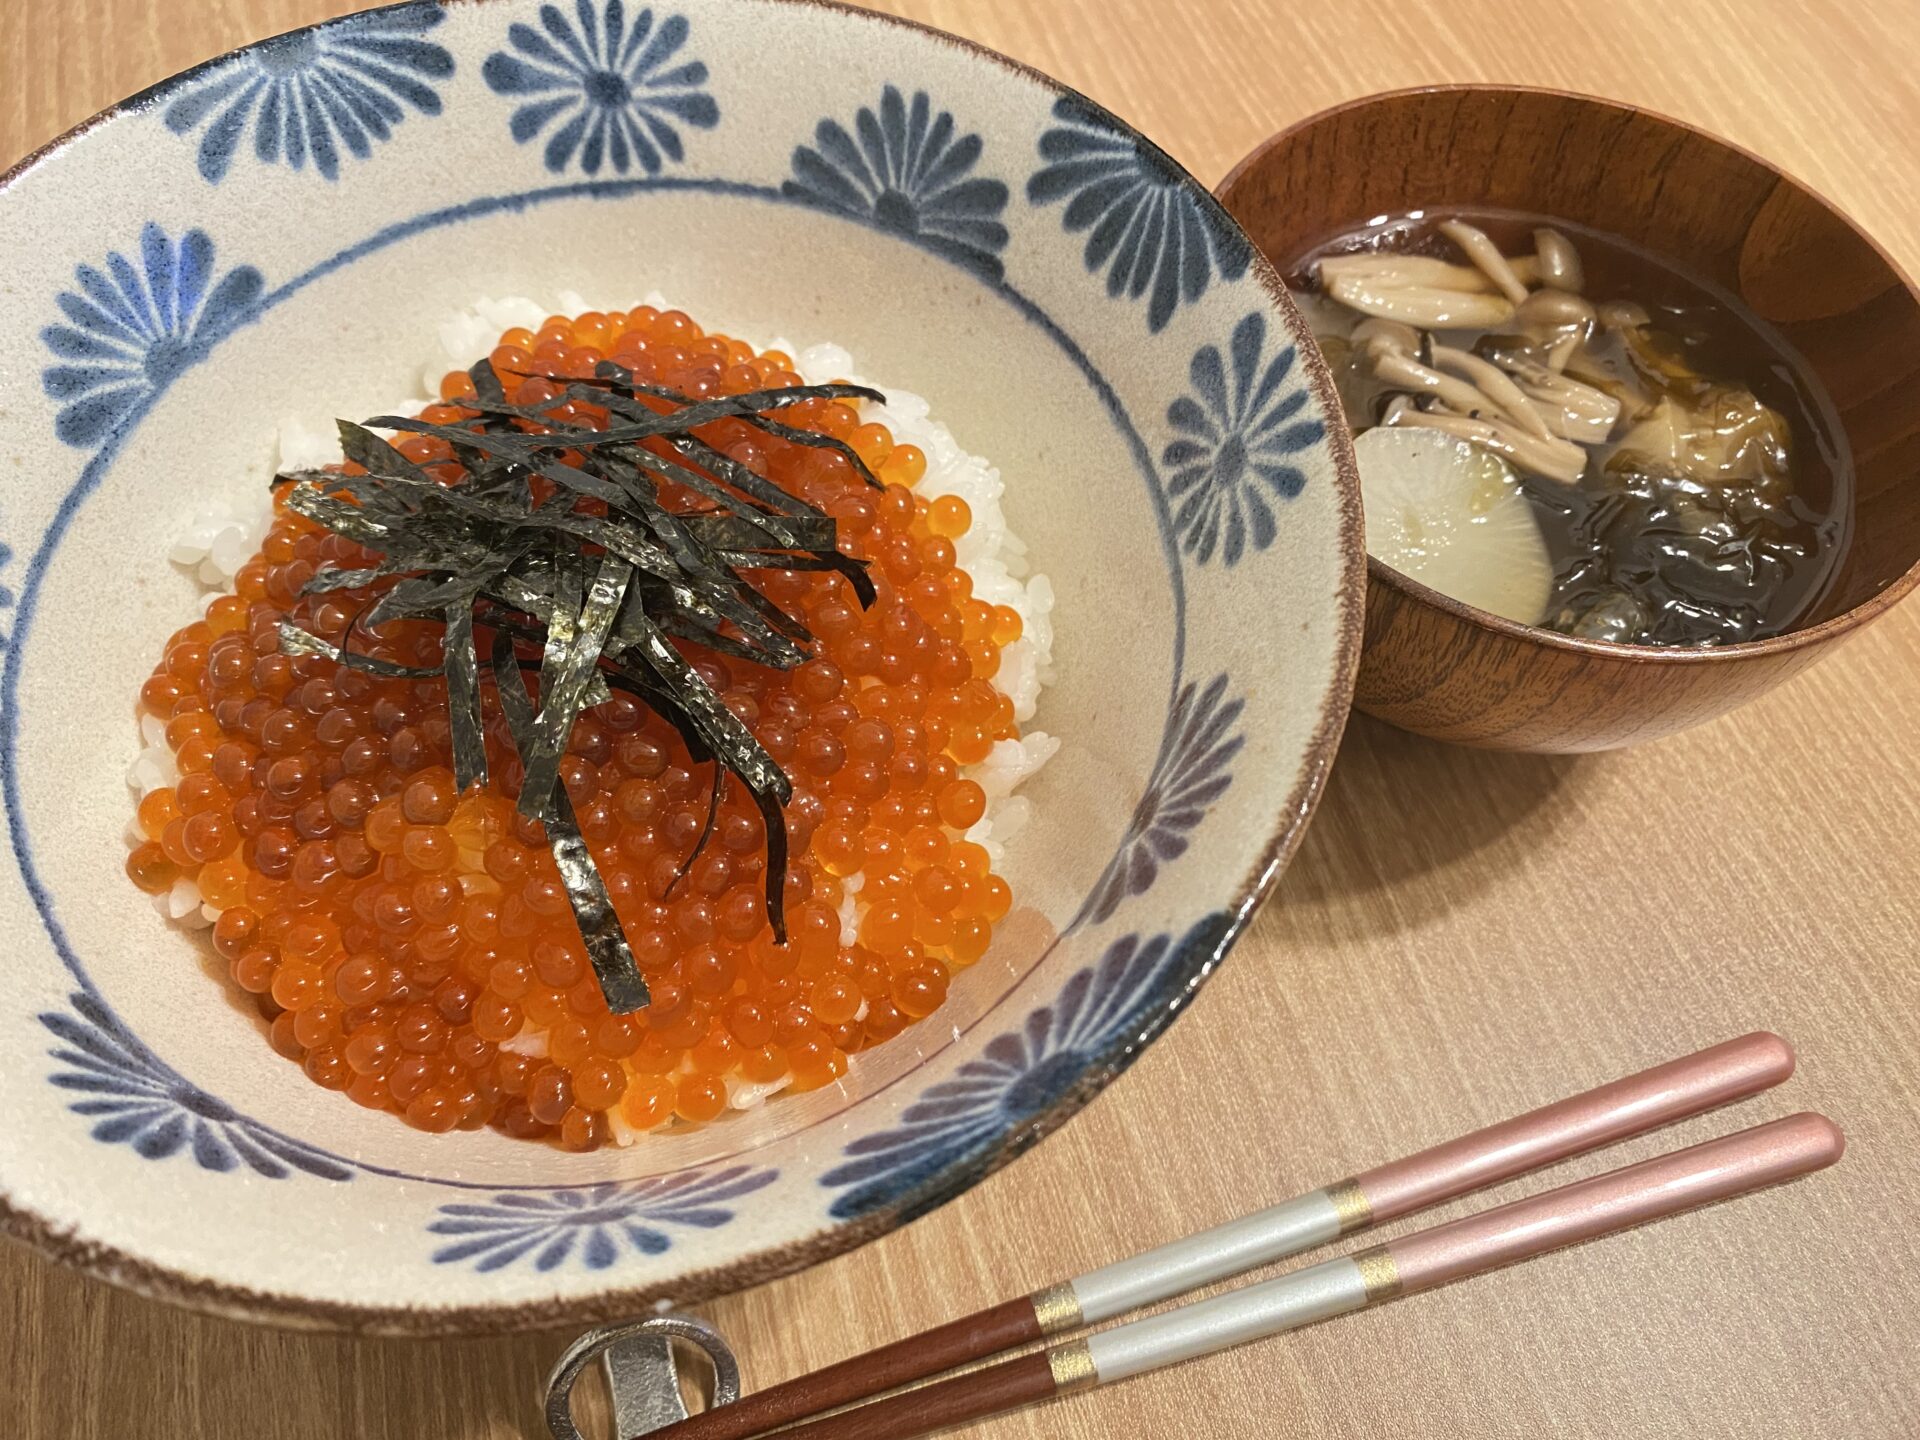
(1716, 1076)
(1701, 1175)
(1770, 1056)
(1824, 1142)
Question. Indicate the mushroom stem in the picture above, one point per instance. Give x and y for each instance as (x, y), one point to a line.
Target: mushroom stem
(1481, 250)
(1408, 373)
(1494, 384)
(1556, 460)
(1562, 352)
(1569, 425)
(1424, 307)
(1398, 408)
(1635, 400)
(1549, 310)
(1404, 271)
(1559, 261)
(1541, 382)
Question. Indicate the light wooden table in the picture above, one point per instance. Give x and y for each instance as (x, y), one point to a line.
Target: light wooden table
(1462, 935)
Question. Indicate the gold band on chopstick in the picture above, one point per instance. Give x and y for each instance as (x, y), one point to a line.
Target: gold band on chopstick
(1350, 1204)
(1378, 1273)
(1057, 1308)
(1072, 1366)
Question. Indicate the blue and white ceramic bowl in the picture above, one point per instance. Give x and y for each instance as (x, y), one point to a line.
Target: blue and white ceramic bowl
(284, 227)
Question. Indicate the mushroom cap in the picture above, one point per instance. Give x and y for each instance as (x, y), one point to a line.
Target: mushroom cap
(1559, 260)
(1547, 312)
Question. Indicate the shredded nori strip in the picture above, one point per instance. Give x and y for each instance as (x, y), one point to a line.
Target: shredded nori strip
(613, 965)
(569, 669)
(621, 382)
(599, 594)
(715, 795)
(467, 730)
(295, 641)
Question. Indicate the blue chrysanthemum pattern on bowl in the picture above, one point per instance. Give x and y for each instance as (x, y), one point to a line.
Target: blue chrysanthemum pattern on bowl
(7, 597)
(1149, 226)
(135, 326)
(905, 169)
(1193, 771)
(593, 1226)
(313, 94)
(1239, 438)
(986, 1112)
(137, 1101)
(616, 92)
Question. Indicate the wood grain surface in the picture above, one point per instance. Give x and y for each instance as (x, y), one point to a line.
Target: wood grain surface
(1464, 934)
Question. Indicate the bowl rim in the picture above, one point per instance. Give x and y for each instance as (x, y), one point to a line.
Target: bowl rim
(1810, 636)
(178, 1285)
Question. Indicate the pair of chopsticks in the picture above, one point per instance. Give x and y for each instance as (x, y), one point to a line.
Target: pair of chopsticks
(1717, 1170)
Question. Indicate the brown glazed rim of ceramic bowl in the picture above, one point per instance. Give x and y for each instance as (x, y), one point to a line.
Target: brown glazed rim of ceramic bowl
(240, 1302)
(1833, 628)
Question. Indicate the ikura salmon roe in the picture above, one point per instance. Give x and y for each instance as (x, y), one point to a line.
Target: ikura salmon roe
(413, 946)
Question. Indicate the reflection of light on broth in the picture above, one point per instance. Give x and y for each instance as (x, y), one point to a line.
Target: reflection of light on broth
(1681, 466)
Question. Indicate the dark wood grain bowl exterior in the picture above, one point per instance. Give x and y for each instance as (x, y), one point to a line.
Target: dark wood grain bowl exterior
(1444, 669)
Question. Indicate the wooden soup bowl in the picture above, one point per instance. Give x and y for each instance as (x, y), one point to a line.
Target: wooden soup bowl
(1441, 668)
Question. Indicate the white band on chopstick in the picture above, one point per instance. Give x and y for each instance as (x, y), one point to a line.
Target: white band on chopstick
(1213, 1255)
(1297, 1298)
(1584, 1210)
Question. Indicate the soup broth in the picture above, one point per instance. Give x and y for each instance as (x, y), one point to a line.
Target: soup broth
(1711, 509)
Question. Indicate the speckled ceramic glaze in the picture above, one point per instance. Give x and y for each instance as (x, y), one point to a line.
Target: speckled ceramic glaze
(281, 230)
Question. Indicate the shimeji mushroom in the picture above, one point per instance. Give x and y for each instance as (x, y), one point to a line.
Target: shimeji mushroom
(1400, 410)
(1494, 385)
(1570, 409)
(1557, 320)
(1559, 262)
(1503, 420)
(1427, 306)
(1423, 289)
(1417, 271)
(1481, 250)
(1403, 372)
(1557, 460)
(1529, 391)
(1391, 348)
(1563, 351)
(1390, 333)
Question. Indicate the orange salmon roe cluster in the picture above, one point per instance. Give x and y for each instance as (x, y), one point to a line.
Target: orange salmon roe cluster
(408, 943)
